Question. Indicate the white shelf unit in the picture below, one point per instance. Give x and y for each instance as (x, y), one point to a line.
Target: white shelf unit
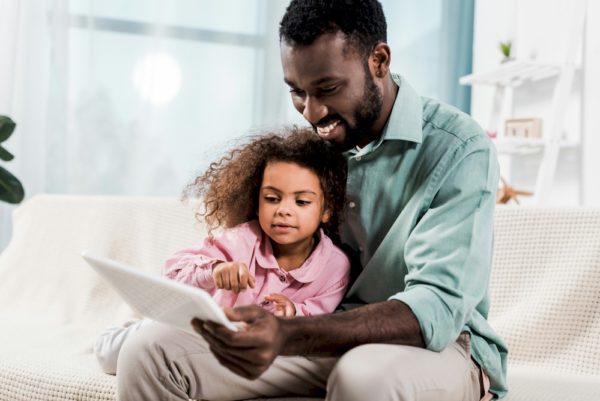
(517, 73)
(528, 146)
(513, 73)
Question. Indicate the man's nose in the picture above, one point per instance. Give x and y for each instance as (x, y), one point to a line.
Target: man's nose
(314, 111)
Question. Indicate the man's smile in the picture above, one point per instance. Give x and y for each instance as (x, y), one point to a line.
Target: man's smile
(331, 130)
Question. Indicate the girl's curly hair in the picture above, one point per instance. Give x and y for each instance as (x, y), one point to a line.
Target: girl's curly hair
(230, 187)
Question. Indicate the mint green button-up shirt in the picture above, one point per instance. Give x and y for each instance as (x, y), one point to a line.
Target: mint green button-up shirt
(420, 215)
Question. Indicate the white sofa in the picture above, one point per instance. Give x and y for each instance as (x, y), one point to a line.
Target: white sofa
(545, 291)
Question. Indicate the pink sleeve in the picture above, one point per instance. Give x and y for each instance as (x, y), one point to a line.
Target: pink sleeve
(193, 266)
(327, 300)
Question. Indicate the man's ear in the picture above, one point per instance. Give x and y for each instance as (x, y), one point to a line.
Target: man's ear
(379, 60)
(326, 216)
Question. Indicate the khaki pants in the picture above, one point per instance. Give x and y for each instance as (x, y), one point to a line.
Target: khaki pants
(161, 363)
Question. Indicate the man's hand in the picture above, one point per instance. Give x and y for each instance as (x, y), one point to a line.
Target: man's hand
(249, 351)
(232, 276)
(283, 307)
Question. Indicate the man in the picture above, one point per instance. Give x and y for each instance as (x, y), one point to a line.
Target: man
(421, 186)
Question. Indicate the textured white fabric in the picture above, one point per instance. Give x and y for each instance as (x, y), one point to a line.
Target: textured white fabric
(545, 291)
(526, 384)
(545, 288)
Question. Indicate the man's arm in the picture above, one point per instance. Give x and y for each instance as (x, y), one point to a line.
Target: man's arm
(390, 322)
(251, 351)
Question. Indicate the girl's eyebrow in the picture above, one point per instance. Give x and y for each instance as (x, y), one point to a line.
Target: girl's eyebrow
(304, 191)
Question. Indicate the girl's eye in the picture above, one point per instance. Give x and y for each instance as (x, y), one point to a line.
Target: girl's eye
(301, 202)
(271, 199)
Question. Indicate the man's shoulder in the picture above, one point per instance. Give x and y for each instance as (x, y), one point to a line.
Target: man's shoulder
(443, 122)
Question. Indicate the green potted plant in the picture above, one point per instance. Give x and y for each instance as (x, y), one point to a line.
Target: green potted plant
(506, 48)
(11, 190)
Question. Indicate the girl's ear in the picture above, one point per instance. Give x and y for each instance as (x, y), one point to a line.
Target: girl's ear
(326, 216)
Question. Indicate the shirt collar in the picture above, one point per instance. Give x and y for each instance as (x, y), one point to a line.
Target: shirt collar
(405, 121)
(310, 269)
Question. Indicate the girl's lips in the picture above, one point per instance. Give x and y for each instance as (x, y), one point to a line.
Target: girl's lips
(282, 228)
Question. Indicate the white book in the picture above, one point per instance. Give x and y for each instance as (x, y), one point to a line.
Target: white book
(159, 298)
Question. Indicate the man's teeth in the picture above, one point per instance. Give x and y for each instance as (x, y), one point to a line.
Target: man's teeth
(328, 128)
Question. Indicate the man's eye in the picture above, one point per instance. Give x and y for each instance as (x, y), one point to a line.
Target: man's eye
(296, 92)
(301, 202)
(329, 90)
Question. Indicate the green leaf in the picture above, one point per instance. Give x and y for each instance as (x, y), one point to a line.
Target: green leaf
(5, 155)
(7, 126)
(11, 190)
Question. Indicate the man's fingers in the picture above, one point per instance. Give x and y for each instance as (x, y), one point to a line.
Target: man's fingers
(197, 325)
(244, 313)
(237, 354)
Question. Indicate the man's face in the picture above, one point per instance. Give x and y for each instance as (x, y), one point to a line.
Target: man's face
(332, 87)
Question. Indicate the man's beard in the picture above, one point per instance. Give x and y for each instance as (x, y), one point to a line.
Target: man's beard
(365, 114)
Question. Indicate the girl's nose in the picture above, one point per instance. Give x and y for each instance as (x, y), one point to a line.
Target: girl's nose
(283, 209)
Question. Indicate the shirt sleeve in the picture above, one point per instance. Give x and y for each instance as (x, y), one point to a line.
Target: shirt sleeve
(448, 254)
(193, 266)
(328, 299)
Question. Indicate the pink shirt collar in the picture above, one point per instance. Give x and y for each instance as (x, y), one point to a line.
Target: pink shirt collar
(310, 269)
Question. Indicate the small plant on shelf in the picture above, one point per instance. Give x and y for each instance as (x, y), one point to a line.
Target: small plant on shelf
(506, 48)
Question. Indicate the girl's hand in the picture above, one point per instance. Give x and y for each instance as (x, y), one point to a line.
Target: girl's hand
(232, 276)
(282, 306)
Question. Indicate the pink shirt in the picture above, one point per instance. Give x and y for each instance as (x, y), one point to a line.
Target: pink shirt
(316, 287)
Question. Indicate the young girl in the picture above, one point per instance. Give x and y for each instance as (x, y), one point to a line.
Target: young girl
(279, 200)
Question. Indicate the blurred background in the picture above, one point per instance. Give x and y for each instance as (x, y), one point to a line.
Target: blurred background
(136, 97)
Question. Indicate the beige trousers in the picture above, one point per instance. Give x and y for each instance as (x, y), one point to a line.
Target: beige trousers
(161, 363)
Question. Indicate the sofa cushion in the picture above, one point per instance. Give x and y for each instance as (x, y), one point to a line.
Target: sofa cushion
(545, 288)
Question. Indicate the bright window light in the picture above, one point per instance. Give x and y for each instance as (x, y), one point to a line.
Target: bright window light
(157, 78)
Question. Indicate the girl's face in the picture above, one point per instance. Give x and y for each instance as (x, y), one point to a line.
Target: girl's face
(291, 204)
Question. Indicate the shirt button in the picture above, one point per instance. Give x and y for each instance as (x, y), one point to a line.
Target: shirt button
(282, 279)
(352, 205)
(358, 158)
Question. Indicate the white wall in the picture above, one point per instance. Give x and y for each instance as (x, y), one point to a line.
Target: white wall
(539, 29)
(591, 110)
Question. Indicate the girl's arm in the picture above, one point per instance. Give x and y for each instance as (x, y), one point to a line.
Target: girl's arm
(194, 266)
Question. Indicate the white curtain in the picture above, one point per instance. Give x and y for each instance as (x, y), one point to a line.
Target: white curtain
(136, 97)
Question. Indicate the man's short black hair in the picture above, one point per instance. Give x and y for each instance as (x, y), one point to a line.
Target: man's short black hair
(362, 21)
